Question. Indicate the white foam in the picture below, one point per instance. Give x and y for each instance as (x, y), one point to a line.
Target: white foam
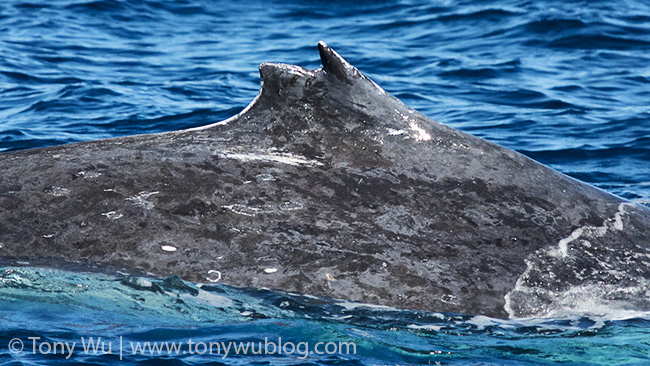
(593, 296)
(481, 321)
(349, 305)
(591, 300)
(425, 327)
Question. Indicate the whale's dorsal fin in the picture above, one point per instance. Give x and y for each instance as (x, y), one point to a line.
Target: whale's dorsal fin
(336, 65)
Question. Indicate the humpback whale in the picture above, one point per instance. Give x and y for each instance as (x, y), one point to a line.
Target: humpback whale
(329, 186)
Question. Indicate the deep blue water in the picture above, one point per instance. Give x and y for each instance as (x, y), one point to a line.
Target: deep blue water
(566, 83)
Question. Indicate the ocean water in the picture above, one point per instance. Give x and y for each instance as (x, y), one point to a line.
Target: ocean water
(566, 83)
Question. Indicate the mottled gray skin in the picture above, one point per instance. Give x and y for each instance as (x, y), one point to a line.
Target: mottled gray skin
(325, 177)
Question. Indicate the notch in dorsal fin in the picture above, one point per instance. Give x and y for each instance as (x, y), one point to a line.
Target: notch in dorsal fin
(334, 64)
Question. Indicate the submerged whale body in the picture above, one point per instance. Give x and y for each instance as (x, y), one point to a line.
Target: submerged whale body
(327, 185)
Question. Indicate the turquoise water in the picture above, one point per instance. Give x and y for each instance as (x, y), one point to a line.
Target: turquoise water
(41, 307)
(566, 83)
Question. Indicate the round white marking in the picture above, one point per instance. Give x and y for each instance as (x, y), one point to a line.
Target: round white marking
(213, 276)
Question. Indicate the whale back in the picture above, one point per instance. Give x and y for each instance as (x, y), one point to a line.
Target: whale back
(327, 185)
